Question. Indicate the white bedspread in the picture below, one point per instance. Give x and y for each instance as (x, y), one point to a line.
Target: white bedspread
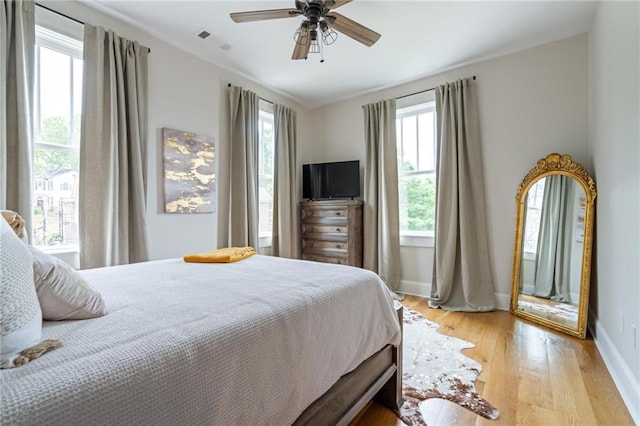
(246, 343)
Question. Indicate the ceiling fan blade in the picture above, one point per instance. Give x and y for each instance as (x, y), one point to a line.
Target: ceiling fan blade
(303, 43)
(334, 4)
(352, 29)
(261, 15)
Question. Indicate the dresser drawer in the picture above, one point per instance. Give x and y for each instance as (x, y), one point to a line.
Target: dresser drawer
(327, 236)
(325, 252)
(331, 212)
(316, 244)
(323, 259)
(314, 228)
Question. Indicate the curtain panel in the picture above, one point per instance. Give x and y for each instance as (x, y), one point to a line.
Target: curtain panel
(462, 279)
(243, 194)
(113, 151)
(285, 237)
(17, 53)
(381, 239)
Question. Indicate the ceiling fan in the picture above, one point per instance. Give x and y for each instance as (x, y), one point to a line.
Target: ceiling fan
(318, 14)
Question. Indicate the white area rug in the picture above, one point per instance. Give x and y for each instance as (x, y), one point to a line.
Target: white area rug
(434, 367)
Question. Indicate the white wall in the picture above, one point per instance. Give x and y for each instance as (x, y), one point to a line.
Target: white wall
(185, 93)
(614, 140)
(531, 103)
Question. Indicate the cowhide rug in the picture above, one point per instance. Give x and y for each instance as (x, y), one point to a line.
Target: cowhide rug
(434, 367)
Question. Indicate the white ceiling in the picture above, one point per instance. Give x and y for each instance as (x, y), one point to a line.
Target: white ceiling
(419, 38)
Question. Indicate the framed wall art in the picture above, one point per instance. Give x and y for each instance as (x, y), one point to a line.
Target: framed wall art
(189, 172)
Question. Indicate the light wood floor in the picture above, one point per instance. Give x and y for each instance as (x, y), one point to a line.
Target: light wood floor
(532, 375)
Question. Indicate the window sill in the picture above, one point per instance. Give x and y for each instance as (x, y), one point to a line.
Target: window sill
(416, 240)
(58, 249)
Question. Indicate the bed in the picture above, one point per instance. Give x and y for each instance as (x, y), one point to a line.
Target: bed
(261, 341)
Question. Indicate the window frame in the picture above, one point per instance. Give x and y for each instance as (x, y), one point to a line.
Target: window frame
(265, 114)
(50, 35)
(414, 106)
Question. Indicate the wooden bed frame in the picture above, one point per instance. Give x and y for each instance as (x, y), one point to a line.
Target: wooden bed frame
(379, 377)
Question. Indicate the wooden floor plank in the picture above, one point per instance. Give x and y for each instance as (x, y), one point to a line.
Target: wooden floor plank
(532, 375)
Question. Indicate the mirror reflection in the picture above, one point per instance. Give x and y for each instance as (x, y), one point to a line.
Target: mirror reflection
(552, 259)
(552, 251)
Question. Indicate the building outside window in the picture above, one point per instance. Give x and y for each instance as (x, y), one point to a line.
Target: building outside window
(58, 99)
(265, 173)
(416, 136)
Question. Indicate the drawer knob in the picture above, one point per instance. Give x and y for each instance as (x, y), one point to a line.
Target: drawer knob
(338, 229)
(338, 246)
(338, 213)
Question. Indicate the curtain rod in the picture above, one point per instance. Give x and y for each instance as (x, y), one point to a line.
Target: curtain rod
(60, 13)
(421, 91)
(267, 101)
(65, 16)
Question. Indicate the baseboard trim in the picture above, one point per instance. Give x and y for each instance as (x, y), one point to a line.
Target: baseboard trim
(503, 301)
(628, 386)
(415, 288)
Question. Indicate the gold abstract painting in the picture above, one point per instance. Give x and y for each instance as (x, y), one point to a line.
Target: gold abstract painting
(189, 172)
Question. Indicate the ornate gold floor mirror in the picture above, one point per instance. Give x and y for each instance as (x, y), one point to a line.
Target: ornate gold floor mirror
(552, 260)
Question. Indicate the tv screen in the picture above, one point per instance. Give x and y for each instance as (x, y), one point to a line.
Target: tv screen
(331, 180)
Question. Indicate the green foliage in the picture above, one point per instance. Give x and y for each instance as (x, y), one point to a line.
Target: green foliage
(55, 130)
(54, 239)
(417, 202)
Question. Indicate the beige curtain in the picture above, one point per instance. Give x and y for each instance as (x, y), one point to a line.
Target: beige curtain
(113, 151)
(381, 251)
(553, 258)
(462, 278)
(285, 237)
(243, 194)
(17, 52)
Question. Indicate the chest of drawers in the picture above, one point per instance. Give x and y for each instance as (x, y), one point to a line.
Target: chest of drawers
(332, 231)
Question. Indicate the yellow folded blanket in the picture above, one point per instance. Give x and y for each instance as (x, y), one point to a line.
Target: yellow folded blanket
(223, 255)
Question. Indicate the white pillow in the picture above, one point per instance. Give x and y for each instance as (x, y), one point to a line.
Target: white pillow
(20, 315)
(63, 293)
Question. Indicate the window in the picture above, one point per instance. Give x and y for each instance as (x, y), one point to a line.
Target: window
(416, 136)
(58, 98)
(265, 173)
(533, 204)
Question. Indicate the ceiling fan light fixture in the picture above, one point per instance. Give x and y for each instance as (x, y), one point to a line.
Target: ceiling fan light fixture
(315, 45)
(329, 36)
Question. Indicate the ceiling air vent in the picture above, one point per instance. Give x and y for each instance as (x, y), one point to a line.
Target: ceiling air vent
(203, 34)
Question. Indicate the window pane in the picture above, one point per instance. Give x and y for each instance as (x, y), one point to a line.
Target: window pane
(409, 144)
(265, 177)
(265, 199)
(533, 204)
(426, 135)
(56, 191)
(77, 102)
(55, 96)
(417, 202)
(267, 148)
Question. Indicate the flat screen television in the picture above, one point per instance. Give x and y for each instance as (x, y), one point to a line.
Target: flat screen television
(331, 180)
